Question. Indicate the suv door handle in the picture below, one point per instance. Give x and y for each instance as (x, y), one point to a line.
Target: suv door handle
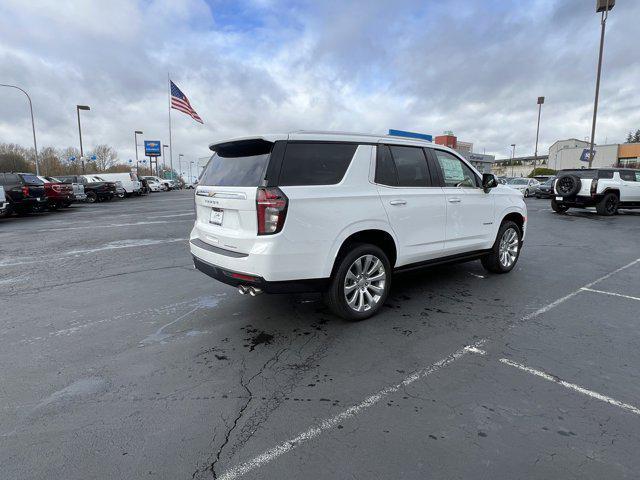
(398, 202)
(454, 200)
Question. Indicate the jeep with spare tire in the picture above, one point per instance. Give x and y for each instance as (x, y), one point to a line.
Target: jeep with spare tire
(606, 189)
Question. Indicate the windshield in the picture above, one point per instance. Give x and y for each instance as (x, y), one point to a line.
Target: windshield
(518, 181)
(238, 164)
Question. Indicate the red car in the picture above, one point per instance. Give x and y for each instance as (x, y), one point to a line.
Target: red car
(58, 194)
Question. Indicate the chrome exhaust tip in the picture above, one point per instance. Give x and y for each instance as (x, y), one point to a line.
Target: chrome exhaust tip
(242, 289)
(253, 291)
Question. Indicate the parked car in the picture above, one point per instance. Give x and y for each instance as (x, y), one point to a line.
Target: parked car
(545, 190)
(154, 185)
(340, 213)
(524, 185)
(129, 180)
(4, 204)
(607, 189)
(58, 194)
(163, 182)
(95, 188)
(24, 192)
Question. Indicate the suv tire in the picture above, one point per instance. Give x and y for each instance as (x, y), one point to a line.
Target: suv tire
(360, 283)
(608, 205)
(91, 197)
(506, 250)
(558, 208)
(568, 185)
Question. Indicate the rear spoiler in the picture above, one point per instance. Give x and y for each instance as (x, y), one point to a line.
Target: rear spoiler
(242, 148)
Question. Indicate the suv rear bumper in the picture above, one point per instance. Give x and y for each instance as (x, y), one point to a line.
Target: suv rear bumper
(578, 201)
(230, 278)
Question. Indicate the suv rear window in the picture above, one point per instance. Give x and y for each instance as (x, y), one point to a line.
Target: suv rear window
(315, 163)
(237, 164)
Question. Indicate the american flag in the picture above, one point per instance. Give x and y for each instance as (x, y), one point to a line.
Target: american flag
(179, 101)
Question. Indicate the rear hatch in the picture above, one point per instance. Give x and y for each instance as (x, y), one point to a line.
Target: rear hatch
(226, 213)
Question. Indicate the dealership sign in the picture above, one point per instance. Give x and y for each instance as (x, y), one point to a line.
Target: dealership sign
(152, 148)
(585, 155)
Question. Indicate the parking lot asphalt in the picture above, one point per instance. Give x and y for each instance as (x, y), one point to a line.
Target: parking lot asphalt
(119, 360)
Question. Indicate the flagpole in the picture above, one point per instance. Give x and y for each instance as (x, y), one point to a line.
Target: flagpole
(170, 146)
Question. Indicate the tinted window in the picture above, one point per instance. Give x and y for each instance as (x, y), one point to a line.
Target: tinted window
(627, 175)
(411, 166)
(385, 169)
(238, 164)
(32, 179)
(455, 172)
(605, 174)
(315, 163)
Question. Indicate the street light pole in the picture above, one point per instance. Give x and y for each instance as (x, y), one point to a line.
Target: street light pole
(33, 125)
(603, 7)
(135, 142)
(78, 108)
(180, 155)
(535, 155)
(164, 157)
(190, 177)
(513, 156)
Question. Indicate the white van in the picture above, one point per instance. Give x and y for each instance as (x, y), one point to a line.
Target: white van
(129, 181)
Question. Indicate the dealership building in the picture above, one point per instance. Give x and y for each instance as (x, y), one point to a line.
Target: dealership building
(574, 153)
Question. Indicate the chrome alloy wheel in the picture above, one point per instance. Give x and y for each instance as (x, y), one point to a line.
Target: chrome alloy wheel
(509, 244)
(364, 283)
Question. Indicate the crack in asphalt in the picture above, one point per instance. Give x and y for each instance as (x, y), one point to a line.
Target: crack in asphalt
(243, 408)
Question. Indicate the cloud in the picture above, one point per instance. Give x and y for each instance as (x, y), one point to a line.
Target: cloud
(276, 65)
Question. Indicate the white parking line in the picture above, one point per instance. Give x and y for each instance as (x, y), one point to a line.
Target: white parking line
(557, 302)
(333, 422)
(610, 293)
(573, 386)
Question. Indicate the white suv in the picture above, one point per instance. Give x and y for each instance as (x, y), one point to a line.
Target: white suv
(607, 189)
(339, 213)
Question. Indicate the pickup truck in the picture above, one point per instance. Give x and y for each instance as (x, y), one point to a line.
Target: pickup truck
(94, 189)
(24, 192)
(58, 194)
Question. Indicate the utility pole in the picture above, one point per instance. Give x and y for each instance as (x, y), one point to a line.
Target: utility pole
(602, 7)
(513, 156)
(535, 155)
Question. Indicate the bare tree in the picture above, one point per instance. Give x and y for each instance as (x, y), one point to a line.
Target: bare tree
(106, 157)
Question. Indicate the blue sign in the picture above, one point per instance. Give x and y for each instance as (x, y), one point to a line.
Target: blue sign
(152, 148)
(402, 133)
(585, 155)
(94, 158)
(72, 159)
(130, 161)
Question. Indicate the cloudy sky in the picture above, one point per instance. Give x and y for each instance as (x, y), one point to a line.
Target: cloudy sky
(257, 66)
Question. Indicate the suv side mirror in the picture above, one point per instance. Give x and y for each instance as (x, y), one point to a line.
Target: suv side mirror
(489, 181)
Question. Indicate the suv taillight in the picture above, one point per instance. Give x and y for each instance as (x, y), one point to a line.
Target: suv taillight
(56, 188)
(25, 191)
(594, 186)
(271, 205)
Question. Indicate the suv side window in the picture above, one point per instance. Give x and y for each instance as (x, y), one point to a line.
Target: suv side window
(628, 176)
(11, 179)
(307, 163)
(411, 166)
(400, 166)
(455, 172)
(385, 168)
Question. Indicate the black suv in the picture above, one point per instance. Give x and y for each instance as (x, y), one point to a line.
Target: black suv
(24, 192)
(95, 191)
